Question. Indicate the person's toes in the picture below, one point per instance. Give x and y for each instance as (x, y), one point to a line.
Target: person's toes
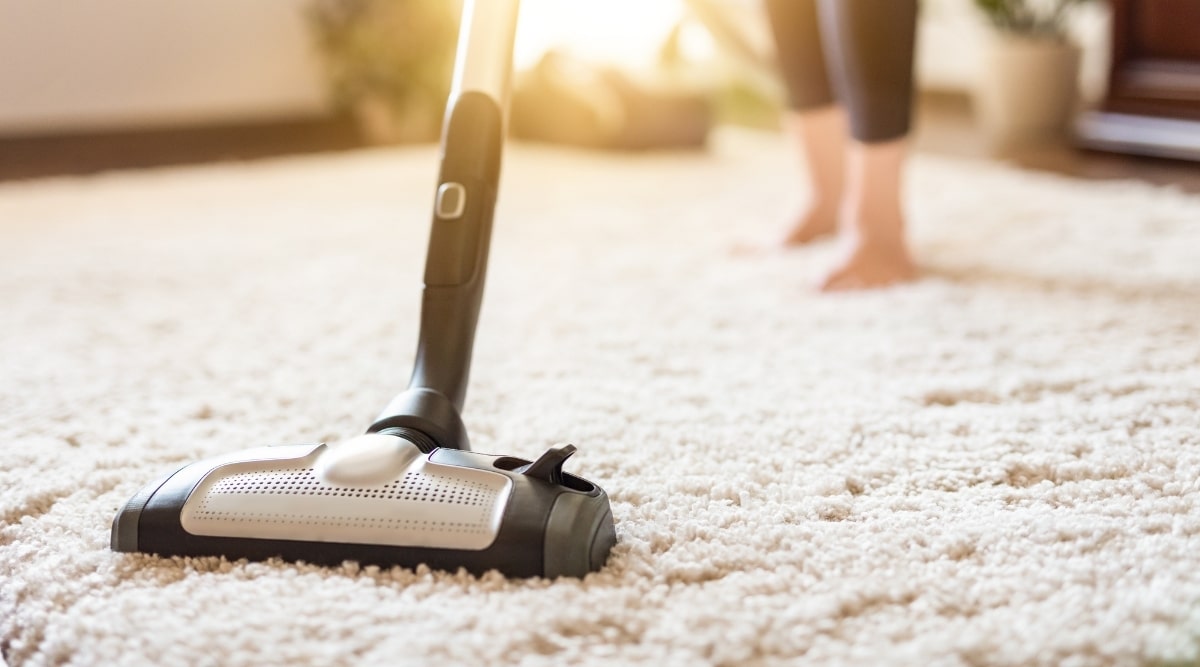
(803, 234)
(864, 269)
(808, 228)
(793, 238)
(841, 280)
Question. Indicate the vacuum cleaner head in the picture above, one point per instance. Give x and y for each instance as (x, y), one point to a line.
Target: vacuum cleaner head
(377, 499)
(410, 491)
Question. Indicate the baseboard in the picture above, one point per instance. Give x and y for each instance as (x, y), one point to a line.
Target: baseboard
(1140, 135)
(84, 153)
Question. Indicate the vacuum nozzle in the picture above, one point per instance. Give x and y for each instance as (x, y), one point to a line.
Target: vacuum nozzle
(376, 499)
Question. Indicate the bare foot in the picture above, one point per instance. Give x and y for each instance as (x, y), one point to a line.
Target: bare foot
(810, 226)
(870, 264)
(821, 137)
(873, 221)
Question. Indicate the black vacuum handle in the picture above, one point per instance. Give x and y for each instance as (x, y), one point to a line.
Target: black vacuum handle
(456, 266)
(429, 411)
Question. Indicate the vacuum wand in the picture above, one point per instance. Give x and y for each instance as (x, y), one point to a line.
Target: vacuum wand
(472, 142)
(429, 411)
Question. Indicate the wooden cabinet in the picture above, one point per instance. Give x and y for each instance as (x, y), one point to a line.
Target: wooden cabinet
(1153, 101)
(1156, 58)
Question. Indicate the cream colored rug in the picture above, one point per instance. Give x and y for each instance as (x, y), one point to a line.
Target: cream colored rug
(997, 465)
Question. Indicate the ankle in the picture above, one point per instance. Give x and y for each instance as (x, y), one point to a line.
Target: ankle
(822, 209)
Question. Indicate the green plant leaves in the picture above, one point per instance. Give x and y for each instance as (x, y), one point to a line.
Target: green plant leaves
(1032, 18)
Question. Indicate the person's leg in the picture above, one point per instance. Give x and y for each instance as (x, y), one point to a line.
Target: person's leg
(870, 45)
(816, 123)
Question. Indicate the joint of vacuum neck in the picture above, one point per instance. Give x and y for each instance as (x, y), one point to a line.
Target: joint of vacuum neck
(425, 418)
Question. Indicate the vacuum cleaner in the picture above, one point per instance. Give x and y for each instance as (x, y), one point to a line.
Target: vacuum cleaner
(409, 491)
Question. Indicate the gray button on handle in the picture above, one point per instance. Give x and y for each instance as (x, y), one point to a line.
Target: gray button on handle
(451, 201)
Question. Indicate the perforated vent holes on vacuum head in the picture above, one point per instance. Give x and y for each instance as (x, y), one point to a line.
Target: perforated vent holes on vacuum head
(451, 508)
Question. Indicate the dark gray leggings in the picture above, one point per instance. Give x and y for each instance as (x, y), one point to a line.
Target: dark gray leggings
(864, 46)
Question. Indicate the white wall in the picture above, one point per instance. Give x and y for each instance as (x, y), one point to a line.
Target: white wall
(78, 65)
(72, 65)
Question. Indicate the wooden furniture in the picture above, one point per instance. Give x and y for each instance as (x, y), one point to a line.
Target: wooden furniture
(1153, 102)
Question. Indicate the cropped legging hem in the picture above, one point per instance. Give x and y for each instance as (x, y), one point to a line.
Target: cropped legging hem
(855, 53)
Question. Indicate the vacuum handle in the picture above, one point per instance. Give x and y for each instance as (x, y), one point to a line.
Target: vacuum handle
(472, 143)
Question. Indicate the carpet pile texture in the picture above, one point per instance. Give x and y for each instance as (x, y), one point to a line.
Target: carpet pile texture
(996, 465)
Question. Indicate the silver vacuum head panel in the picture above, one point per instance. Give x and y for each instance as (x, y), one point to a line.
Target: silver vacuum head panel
(448, 509)
(425, 505)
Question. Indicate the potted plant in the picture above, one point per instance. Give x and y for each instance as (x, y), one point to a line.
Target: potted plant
(388, 62)
(1028, 89)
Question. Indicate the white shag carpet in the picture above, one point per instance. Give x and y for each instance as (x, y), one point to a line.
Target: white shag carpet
(997, 465)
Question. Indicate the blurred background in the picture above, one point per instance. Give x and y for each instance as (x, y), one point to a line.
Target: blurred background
(1089, 88)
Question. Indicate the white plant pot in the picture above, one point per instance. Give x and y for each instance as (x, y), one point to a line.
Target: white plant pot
(1028, 90)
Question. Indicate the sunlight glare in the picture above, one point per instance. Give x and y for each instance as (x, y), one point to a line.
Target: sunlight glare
(621, 32)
